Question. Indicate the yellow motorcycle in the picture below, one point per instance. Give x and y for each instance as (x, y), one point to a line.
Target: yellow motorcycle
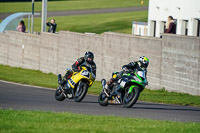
(77, 85)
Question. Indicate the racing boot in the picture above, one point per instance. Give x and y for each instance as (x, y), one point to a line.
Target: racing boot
(109, 86)
(60, 81)
(117, 95)
(65, 78)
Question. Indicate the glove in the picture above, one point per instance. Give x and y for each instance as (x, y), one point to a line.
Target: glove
(75, 69)
(125, 69)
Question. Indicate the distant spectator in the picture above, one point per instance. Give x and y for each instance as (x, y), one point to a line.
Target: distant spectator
(52, 26)
(170, 26)
(21, 27)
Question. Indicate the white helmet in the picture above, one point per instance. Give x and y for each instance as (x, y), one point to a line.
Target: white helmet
(144, 62)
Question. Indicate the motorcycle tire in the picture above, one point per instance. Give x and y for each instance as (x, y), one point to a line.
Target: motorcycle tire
(103, 99)
(134, 97)
(82, 91)
(59, 95)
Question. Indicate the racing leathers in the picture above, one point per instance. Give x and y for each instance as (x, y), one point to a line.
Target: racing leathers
(132, 66)
(76, 67)
(81, 62)
(129, 68)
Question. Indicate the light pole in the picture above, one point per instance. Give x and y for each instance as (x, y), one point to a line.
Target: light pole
(44, 15)
(32, 17)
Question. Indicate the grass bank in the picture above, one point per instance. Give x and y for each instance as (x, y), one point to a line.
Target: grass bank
(96, 23)
(11, 7)
(35, 121)
(33, 77)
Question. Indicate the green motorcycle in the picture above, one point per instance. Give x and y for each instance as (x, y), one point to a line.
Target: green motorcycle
(128, 87)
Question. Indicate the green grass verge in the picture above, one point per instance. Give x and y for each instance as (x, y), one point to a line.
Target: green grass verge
(8, 7)
(96, 23)
(40, 122)
(38, 78)
(163, 96)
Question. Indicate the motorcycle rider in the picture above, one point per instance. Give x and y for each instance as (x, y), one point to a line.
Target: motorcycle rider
(141, 64)
(87, 60)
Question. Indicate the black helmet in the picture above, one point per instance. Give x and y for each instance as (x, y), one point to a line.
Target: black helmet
(89, 57)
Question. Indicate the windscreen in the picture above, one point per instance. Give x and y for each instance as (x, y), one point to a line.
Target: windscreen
(141, 74)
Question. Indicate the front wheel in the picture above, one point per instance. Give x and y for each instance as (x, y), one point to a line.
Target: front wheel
(131, 98)
(103, 99)
(59, 94)
(80, 91)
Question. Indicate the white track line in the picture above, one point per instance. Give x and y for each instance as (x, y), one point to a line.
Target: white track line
(53, 89)
(26, 85)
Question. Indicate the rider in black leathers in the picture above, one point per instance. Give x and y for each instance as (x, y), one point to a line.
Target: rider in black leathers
(87, 60)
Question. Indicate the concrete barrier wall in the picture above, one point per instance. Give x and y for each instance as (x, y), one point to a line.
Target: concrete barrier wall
(3, 48)
(174, 60)
(180, 68)
(71, 46)
(120, 49)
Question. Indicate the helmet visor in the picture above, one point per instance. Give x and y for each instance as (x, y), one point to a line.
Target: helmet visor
(89, 60)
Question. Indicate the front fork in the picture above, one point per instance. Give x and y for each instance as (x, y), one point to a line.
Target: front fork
(78, 87)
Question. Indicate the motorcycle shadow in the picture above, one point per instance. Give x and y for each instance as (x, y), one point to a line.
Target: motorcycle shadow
(89, 102)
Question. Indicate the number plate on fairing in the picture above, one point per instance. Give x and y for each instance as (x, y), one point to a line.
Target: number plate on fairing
(122, 84)
(72, 82)
(85, 73)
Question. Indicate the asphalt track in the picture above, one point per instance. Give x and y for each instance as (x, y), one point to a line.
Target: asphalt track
(22, 97)
(86, 11)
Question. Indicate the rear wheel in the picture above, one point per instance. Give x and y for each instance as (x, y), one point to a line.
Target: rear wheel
(80, 91)
(103, 99)
(131, 98)
(59, 94)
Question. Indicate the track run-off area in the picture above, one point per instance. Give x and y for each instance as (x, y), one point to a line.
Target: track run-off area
(24, 97)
